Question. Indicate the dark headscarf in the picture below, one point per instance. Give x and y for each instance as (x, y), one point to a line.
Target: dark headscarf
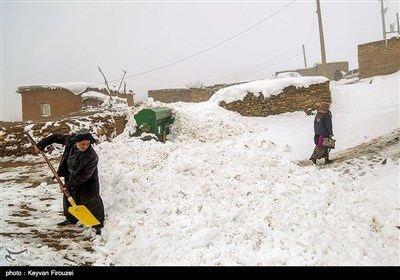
(84, 134)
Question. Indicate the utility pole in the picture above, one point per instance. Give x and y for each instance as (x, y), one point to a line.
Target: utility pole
(383, 11)
(398, 25)
(304, 55)
(321, 40)
(122, 79)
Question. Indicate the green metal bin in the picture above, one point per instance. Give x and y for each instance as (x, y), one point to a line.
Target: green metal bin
(154, 120)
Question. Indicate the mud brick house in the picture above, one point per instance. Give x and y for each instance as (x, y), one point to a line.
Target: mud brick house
(43, 102)
(379, 58)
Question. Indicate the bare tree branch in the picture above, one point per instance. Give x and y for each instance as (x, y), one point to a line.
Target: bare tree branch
(105, 80)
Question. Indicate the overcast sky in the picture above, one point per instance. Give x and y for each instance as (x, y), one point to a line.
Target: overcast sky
(53, 42)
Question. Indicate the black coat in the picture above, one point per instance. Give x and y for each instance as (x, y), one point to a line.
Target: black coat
(323, 124)
(85, 179)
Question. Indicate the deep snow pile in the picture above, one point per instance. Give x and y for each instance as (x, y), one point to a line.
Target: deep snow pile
(222, 191)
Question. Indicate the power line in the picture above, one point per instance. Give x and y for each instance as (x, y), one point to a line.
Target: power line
(209, 48)
(260, 66)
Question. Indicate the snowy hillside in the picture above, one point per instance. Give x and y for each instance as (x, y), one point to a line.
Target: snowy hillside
(229, 190)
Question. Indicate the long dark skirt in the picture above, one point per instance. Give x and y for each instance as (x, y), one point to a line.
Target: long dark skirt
(319, 151)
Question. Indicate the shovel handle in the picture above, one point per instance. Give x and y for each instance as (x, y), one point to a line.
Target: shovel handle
(62, 187)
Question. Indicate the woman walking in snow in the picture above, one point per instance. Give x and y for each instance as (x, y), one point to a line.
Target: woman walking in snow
(78, 166)
(322, 129)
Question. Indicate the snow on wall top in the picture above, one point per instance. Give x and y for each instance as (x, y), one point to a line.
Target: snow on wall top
(266, 87)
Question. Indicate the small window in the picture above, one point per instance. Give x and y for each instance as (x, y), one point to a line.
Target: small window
(46, 112)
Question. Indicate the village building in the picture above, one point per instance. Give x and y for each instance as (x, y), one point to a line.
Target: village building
(331, 69)
(44, 102)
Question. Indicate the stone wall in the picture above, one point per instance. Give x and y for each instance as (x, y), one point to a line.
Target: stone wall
(201, 94)
(291, 99)
(170, 95)
(376, 58)
(186, 94)
(13, 141)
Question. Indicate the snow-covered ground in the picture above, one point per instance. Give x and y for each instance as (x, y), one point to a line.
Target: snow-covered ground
(227, 190)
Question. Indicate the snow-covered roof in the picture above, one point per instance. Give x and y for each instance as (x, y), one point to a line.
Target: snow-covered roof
(287, 74)
(74, 87)
(94, 95)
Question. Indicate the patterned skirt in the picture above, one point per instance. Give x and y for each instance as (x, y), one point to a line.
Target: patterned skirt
(320, 152)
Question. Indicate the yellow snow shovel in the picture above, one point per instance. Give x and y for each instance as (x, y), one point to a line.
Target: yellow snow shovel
(78, 211)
